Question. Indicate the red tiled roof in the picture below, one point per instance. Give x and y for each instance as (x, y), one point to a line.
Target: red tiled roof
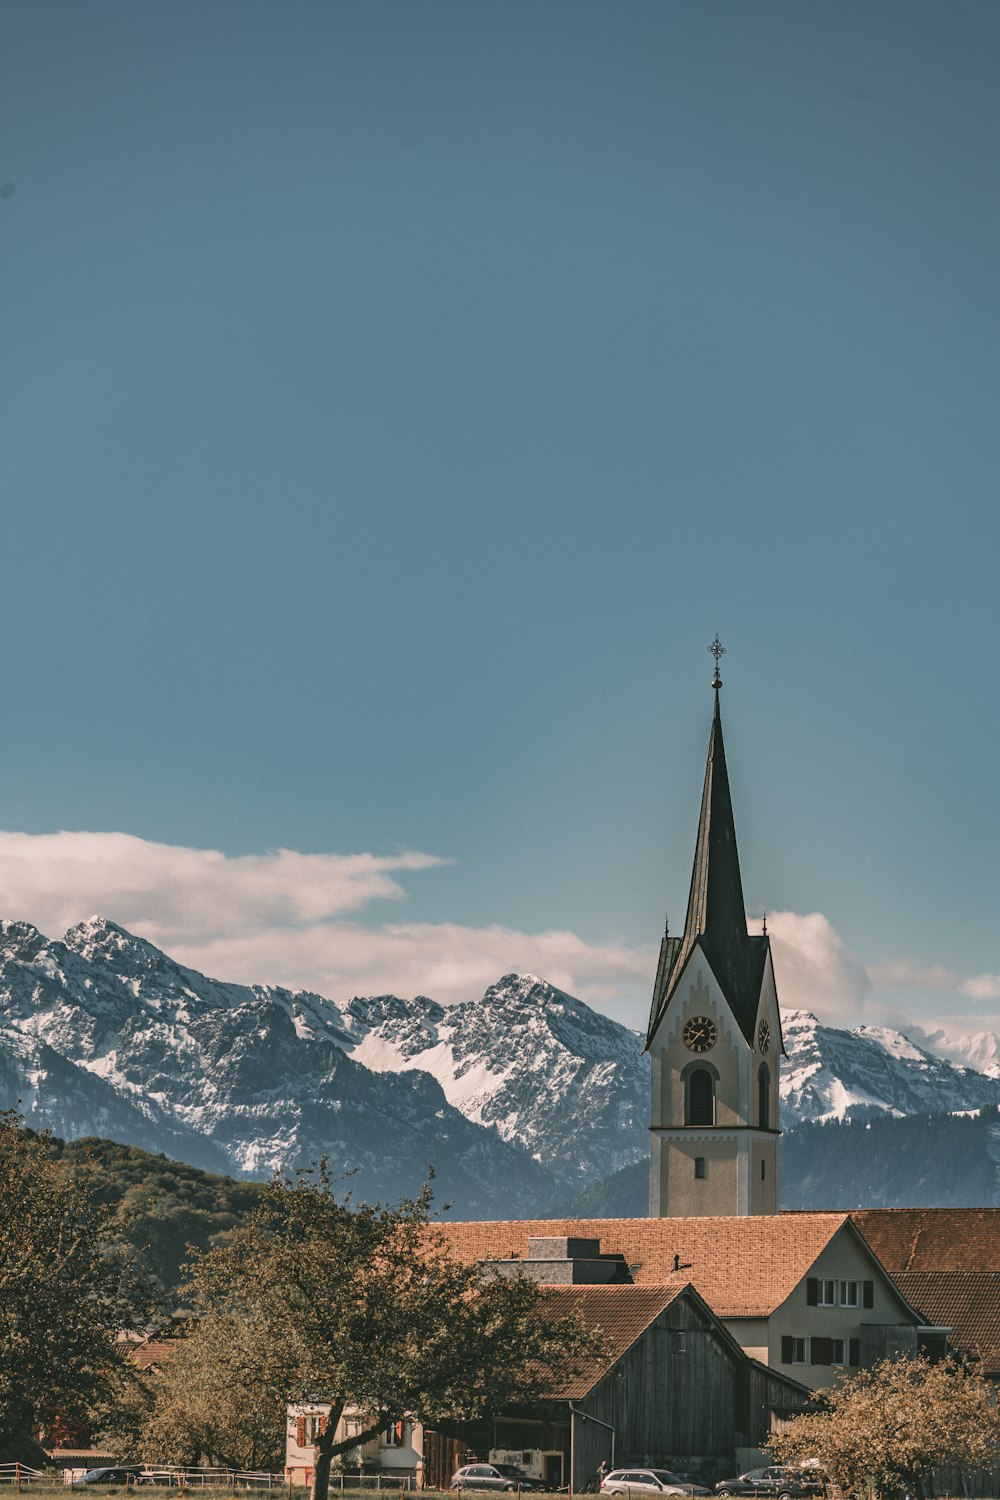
(743, 1267)
(967, 1302)
(622, 1313)
(152, 1353)
(932, 1239)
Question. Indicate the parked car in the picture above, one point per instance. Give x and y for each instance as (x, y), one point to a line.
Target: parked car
(778, 1479)
(123, 1474)
(648, 1482)
(494, 1477)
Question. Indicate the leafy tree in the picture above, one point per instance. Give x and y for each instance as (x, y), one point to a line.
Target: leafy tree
(218, 1397)
(67, 1288)
(889, 1427)
(314, 1298)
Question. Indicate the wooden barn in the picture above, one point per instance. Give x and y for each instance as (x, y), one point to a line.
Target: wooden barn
(676, 1390)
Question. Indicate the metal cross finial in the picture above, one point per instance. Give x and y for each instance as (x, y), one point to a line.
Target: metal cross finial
(717, 649)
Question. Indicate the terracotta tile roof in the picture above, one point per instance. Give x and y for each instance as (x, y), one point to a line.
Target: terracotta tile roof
(932, 1239)
(622, 1313)
(967, 1302)
(743, 1267)
(152, 1353)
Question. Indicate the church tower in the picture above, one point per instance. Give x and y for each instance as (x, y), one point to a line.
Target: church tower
(714, 1034)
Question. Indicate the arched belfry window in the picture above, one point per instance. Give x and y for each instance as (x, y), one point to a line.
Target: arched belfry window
(763, 1097)
(700, 1099)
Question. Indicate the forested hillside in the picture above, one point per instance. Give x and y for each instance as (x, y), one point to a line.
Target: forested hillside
(921, 1161)
(162, 1205)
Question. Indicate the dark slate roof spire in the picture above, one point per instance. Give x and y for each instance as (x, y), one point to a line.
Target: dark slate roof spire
(716, 915)
(715, 902)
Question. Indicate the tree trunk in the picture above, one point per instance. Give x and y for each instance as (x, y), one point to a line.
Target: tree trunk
(322, 1459)
(326, 1449)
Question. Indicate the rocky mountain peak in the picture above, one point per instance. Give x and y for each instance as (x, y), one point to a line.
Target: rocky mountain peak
(20, 941)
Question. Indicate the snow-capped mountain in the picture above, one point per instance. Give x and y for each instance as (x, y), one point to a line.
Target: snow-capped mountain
(831, 1074)
(977, 1049)
(537, 1066)
(103, 1034)
(521, 1098)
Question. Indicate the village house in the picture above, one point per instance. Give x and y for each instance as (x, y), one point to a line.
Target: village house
(802, 1293)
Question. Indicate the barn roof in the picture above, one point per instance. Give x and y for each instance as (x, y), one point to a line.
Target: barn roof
(743, 1267)
(622, 1313)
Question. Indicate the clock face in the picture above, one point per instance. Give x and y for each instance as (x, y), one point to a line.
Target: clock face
(700, 1034)
(763, 1036)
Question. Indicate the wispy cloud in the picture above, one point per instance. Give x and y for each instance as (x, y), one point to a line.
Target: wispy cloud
(901, 974)
(444, 960)
(172, 893)
(312, 921)
(285, 918)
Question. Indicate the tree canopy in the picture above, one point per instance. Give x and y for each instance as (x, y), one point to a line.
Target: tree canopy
(314, 1298)
(67, 1289)
(890, 1427)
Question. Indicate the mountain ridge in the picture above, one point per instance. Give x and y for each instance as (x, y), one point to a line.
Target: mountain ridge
(523, 1098)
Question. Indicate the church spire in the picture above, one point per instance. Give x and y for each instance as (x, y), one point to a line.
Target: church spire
(716, 915)
(715, 903)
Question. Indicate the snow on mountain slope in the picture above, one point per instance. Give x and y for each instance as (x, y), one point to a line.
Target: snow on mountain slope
(536, 1065)
(977, 1049)
(101, 1033)
(830, 1074)
(521, 1098)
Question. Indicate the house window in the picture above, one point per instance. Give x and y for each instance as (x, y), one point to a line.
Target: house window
(793, 1351)
(308, 1429)
(699, 1166)
(700, 1097)
(392, 1437)
(825, 1293)
(823, 1351)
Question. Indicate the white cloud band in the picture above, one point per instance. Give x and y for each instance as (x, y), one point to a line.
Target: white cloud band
(290, 918)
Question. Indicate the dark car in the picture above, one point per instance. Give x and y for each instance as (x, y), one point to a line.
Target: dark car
(787, 1484)
(493, 1477)
(123, 1474)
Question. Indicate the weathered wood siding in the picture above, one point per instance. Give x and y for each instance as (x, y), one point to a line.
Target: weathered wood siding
(671, 1398)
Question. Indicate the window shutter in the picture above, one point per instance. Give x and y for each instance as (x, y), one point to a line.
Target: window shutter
(821, 1352)
(787, 1353)
(322, 1425)
(854, 1353)
(869, 1293)
(300, 1432)
(812, 1291)
(399, 1433)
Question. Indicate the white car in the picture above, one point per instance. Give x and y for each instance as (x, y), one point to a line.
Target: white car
(648, 1482)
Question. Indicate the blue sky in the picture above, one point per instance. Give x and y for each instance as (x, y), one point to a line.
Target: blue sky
(396, 400)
